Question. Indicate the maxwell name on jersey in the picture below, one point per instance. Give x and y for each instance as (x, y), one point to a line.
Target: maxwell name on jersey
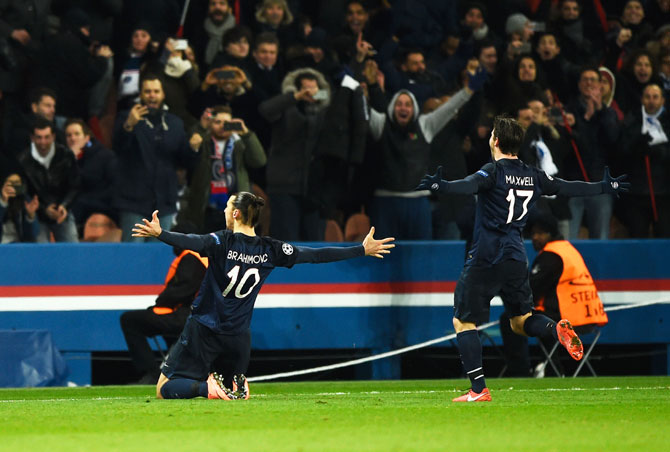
(247, 258)
(525, 181)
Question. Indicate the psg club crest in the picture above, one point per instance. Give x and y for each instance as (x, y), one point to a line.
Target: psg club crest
(287, 249)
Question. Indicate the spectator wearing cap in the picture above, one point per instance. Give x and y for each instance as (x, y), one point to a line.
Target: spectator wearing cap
(71, 66)
(643, 152)
(519, 30)
(207, 38)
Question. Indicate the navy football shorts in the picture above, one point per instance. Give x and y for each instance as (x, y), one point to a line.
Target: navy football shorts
(194, 354)
(478, 285)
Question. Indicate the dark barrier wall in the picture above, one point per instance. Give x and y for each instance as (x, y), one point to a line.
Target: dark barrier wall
(79, 291)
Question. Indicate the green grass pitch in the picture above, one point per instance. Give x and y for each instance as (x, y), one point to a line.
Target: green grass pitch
(583, 414)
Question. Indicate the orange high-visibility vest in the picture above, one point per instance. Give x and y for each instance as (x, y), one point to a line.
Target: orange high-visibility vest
(160, 310)
(578, 299)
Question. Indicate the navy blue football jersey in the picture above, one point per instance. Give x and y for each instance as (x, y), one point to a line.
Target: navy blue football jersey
(507, 190)
(238, 266)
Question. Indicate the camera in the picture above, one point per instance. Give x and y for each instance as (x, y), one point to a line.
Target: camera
(232, 126)
(225, 75)
(19, 189)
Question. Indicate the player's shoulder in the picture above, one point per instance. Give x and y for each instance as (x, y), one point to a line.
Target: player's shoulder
(487, 170)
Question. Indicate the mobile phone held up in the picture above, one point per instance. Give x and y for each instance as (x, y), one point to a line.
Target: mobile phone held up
(232, 126)
(321, 94)
(225, 75)
(180, 44)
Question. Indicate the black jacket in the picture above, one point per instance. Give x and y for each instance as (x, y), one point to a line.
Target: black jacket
(97, 169)
(57, 185)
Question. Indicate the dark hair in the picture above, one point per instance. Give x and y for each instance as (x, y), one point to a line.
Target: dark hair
(222, 109)
(38, 93)
(40, 123)
(484, 44)
(407, 52)
(629, 62)
(150, 76)
(546, 223)
(266, 38)
(236, 34)
(250, 206)
(509, 133)
(589, 67)
(304, 76)
(84, 127)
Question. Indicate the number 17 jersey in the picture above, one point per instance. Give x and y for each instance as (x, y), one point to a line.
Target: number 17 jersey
(507, 191)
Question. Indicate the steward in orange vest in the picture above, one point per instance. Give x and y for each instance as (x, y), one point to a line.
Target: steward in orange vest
(561, 283)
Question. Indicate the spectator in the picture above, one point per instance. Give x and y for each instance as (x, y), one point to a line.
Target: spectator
(474, 22)
(637, 73)
(580, 40)
(608, 88)
(71, 66)
(557, 273)
(130, 64)
(632, 33)
(227, 149)
(413, 77)
(207, 40)
(276, 17)
(18, 131)
(52, 175)
(315, 54)
(522, 85)
(297, 118)
(151, 144)
(357, 23)
(519, 30)
(644, 152)
(236, 43)
(596, 131)
(658, 13)
(661, 44)
(97, 169)
(169, 313)
(664, 73)
(180, 80)
(404, 136)
(558, 72)
(17, 212)
(226, 85)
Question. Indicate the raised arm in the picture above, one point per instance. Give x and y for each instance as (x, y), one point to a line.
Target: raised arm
(369, 247)
(609, 185)
(193, 242)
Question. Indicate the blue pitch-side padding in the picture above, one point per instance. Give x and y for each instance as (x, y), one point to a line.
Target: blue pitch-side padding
(101, 264)
(370, 328)
(28, 358)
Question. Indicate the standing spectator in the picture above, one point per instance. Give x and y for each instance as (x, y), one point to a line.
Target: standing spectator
(207, 40)
(180, 80)
(53, 176)
(17, 212)
(404, 136)
(638, 71)
(130, 64)
(596, 131)
(558, 72)
(226, 85)
(97, 171)
(522, 85)
(71, 66)
(276, 17)
(645, 152)
(632, 32)
(580, 44)
(151, 144)
(413, 77)
(297, 118)
(225, 157)
(236, 44)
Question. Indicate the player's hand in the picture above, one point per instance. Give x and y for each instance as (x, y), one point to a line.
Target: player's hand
(375, 247)
(433, 183)
(149, 228)
(614, 185)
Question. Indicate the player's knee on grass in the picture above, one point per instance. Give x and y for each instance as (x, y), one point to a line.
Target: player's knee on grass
(161, 381)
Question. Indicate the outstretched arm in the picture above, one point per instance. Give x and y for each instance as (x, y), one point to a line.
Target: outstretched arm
(369, 247)
(193, 242)
(609, 185)
(467, 186)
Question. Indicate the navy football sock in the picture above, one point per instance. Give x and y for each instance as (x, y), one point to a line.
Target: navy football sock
(184, 388)
(471, 356)
(539, 325)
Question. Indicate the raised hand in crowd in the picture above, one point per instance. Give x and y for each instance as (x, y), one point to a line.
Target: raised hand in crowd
(306, 94)
(195, 141)
(363, 49)
(21, 35)
(103, 51)
(625, 35)
(136, 114)
(594, 102)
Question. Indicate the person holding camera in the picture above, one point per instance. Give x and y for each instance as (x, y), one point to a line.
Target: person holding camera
(17, 212)
(226, 85)
(151, 144)
(227, 149)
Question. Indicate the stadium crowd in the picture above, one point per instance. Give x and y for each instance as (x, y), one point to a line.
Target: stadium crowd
(113, 109)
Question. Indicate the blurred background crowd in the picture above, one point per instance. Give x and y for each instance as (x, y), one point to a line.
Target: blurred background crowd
(331, 110)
